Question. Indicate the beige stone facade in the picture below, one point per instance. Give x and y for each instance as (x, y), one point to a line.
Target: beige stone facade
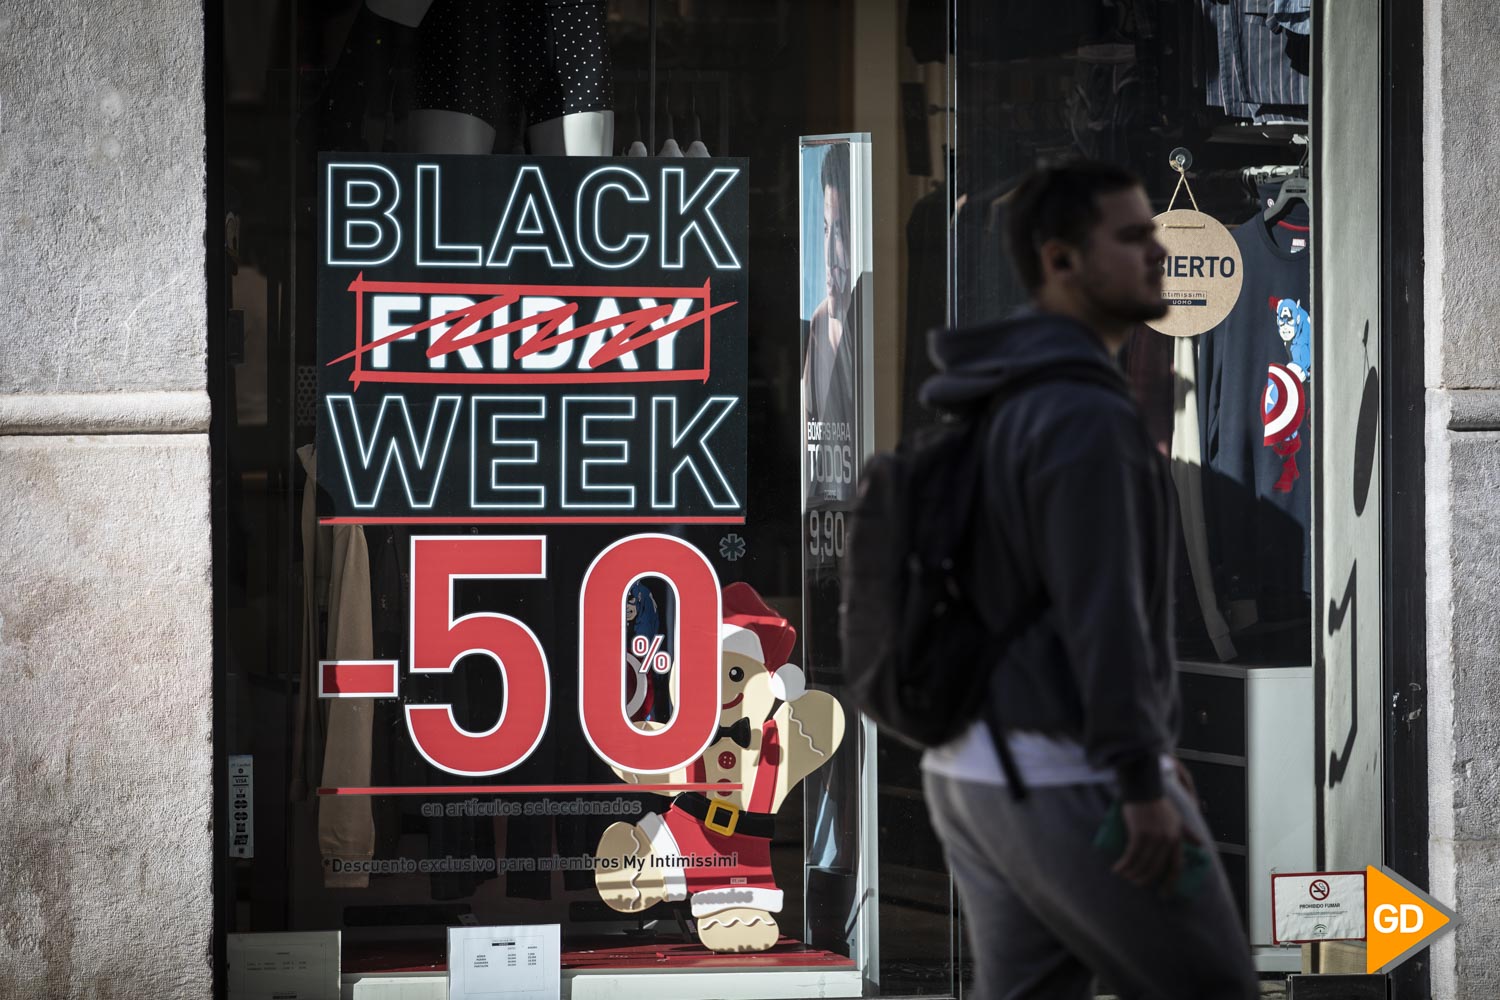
(106, 796)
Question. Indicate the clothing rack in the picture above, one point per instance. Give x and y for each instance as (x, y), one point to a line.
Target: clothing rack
(1272, 173)
(1297, 174)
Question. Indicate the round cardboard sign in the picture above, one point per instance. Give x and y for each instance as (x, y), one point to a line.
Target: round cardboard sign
(1201, 276)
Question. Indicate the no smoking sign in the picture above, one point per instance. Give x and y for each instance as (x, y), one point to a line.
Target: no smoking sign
(1318, 906)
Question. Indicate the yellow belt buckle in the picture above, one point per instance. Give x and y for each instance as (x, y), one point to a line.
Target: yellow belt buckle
(725, 828)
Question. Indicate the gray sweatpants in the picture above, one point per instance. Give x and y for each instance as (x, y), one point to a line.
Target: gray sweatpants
(1046, 914)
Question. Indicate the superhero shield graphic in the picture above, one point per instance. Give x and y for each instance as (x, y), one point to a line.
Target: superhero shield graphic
(1283, 404)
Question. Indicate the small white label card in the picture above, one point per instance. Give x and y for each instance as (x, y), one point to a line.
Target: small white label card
(241, 805)
(292, 966)
(505, 963)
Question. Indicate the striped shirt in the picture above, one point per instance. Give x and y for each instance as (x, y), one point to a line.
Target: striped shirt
(1261, 69)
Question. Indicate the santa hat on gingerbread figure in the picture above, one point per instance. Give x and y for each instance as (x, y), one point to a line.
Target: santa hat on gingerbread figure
(753, 629)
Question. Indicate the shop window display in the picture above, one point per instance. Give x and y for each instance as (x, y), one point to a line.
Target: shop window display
(1222, 86)
(385, 814)
(1131, 82)
(515, 631)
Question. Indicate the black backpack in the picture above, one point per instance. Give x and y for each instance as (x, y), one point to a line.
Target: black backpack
(911, 634)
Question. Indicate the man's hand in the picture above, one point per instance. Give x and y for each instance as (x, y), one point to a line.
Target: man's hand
(1185, 778)
(1153, 850)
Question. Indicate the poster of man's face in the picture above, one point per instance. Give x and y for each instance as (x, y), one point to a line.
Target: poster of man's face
(837, 343)
(834, 336)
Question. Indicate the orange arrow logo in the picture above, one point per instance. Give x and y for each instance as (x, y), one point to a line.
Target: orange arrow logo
(1400, 919)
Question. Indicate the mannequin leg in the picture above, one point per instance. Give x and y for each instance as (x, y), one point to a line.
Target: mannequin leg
(432, 130)
(462, 101)
(584, 133)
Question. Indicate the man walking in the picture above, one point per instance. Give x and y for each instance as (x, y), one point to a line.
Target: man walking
(1076, 518)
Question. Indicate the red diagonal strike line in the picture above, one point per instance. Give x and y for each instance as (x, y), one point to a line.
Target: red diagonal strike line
(551, 338)
(633, 339)
(462, 319)
(637, 324)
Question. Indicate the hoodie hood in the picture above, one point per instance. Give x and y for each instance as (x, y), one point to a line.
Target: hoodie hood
(975, 362)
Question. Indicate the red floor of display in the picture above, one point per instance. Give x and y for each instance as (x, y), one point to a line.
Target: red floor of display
(788, 953)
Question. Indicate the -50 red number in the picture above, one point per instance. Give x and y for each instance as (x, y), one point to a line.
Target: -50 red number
(439, 640)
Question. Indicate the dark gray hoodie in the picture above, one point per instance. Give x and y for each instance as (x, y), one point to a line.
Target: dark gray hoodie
(1079, 532)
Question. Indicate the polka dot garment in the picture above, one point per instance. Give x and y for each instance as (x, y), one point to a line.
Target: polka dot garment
(550, 56)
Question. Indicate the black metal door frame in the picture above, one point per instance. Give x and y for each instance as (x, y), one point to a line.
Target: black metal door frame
(1403, 474)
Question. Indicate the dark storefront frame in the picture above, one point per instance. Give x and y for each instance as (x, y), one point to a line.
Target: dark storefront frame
(218, 370)
(1403, 414)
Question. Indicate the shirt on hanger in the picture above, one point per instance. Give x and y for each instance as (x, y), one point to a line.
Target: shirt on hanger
(1258, 63)
(1257, 388)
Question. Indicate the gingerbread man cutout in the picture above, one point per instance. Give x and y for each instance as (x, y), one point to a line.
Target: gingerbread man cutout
(714, 850)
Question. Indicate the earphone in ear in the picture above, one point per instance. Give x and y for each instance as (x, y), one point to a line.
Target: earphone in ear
(1062, 262)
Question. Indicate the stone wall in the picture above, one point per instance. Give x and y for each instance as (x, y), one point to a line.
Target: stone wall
(105, 588)
(1462, 230)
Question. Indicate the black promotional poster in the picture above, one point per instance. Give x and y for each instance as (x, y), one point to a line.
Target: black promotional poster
(532, 340)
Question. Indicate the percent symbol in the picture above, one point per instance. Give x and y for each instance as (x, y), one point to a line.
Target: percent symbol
(652, 656)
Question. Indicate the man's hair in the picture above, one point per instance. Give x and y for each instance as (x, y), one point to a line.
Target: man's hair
(1061, 203)
(835, 174)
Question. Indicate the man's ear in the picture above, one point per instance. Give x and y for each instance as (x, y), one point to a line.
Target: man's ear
(1057, 257)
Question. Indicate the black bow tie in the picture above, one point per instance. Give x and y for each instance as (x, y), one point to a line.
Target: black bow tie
(739, 732)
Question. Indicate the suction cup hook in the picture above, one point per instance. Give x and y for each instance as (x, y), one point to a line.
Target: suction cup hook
(1180, 159)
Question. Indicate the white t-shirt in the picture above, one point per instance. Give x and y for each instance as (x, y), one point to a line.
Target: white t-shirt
(1043, 760)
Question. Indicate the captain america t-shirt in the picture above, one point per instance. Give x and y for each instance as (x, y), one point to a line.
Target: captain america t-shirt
(1255, 398)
